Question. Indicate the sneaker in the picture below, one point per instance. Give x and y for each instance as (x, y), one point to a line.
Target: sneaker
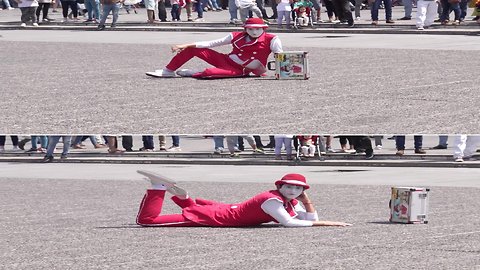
(47, 159)
(405, 19)
(456, 22)
(378, 147)
(374, 22)
(161, 73)
(163, 148)
(369, 156)
(23, 25)
(331, 150)
(10, 8)
(258, 151)
(459, 159)
(198, 20)
(348, 151)
(35, 24)
(420, 151)
(100, 27)
(32, 150)
(439, 147)
(234, 155)
(15, 148)
(420, 28)
(400, 152)
(235, 149)
(189, 19)
(218, 151)
(390, 21)
(63, 157)
(174, 149)
(65, 20)
(157, 179)
(48, 19)
(21, 144)
(357, 18)
(186, 72)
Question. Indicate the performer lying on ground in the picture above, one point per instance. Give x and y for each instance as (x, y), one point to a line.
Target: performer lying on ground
(249, 54)
(280, 205)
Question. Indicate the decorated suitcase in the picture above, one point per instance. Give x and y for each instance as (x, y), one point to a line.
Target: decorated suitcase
(292, 65)
(409, 205)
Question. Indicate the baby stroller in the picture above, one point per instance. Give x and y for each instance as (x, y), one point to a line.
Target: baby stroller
(303, 14)
(307, 146)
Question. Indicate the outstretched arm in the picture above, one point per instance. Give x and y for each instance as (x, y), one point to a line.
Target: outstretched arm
(330, 223)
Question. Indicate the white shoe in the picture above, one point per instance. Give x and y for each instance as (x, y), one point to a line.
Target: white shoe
(420, 28)
(35, 24)
(172, 188)
(15, 148)
(174, 149)
(162, 73)
(458, 159)
(186, 72)
(11, 8)
(378, 147)
(157, 179)
(23, 25)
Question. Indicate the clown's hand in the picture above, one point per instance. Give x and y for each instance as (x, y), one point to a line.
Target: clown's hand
(256, 67)
(181, 47)
(304, 198)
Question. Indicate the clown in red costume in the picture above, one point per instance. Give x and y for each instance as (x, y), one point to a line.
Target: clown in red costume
(250, 51)
(288, 205)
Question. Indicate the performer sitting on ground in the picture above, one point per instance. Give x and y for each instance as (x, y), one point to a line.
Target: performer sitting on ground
(249, 54)
(280, 205)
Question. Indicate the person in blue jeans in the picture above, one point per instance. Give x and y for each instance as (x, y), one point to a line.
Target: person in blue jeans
(114, 7)
(388, 11)
(43, 140)
(400, 144)
(447, 7)
(52, 143)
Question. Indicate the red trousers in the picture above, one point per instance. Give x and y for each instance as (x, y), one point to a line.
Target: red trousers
(224, 67)
(151, 208)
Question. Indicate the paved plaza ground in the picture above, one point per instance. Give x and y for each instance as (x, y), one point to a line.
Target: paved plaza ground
(83, 217)
(94, 82)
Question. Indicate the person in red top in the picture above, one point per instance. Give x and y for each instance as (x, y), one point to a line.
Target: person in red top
(250, 51)
(288, 205)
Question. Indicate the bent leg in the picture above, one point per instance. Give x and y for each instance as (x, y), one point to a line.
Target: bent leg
(212, 57)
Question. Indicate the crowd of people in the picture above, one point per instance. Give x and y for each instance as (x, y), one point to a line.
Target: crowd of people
(302, 12)
(282, 145)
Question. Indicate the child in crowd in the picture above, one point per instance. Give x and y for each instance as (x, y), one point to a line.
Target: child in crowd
(28, 8)
(302, 16)
(245, 6)
(177, 6)
(284, 9)
(307, 145)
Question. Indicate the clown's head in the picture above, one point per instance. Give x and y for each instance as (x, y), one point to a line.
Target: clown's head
(292, 185)
(255, 27)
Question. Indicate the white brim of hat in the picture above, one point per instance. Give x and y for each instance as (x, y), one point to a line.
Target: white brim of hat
(293, 182)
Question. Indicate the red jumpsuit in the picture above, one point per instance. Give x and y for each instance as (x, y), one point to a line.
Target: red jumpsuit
(224, 66)
(209, 213)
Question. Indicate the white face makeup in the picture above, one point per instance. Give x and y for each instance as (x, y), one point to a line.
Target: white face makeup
(291, 191)
(254, 32)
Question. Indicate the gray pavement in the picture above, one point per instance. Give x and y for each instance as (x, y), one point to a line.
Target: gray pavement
(82, 216)
(385, 85)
